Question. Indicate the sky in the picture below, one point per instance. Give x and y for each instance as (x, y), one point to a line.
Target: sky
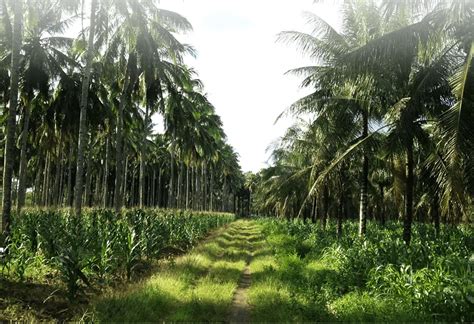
(243, 67)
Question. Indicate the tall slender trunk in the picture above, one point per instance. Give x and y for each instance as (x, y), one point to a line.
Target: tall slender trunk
(37, 191)
(196, 189)
(45, 186)
(187, 187)
(141, 193)
(224, 188)
(132, 190)
(57, 177)
(118, 199)
(23, 162)
(364, 178)
(211, 190)
(87, 192)
(158, 198)
(325, 215)
(313, 210)
(10, 126)
(178, 185)
(83, 114)
(62, 184)
(106, 174)
(382, 205)
(57, 180)
(69, 175)
(97, 187)
(171, 183)
(126, 194)
(340, 212)
(204, 187)
(124, 97)
(153, 189)
(408, 219)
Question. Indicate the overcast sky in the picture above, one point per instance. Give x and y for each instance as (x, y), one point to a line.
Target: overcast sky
(243, 68)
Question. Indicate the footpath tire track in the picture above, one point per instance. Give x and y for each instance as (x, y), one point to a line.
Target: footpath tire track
(240, 310)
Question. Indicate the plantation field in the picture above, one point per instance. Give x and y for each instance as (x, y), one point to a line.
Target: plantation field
(294, 271)
(57, 263)
(306, 274)
(198, 286)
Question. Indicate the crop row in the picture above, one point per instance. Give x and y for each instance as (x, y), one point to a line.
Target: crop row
(101, 246)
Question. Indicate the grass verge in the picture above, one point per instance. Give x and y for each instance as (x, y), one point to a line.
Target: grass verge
(197, 286)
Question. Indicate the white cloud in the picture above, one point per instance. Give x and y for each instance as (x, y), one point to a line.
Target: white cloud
(243, 68)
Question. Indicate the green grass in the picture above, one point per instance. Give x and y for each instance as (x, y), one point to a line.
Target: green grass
(56, 265)
(198, 286)
(304, 274)
(298, 274)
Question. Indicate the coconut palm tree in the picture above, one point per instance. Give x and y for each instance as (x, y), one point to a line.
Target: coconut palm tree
(9, 152)
(83, 112)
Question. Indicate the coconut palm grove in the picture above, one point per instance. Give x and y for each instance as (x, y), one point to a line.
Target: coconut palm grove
(124, 201)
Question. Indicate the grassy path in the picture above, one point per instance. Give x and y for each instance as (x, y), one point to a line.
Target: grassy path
(201, 285)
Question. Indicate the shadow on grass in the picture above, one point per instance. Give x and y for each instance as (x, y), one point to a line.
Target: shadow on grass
(35, 301)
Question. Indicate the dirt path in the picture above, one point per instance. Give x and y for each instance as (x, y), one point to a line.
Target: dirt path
(240, 310)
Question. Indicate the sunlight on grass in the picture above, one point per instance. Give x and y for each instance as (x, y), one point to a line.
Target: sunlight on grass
(362, 307)
(198, 286)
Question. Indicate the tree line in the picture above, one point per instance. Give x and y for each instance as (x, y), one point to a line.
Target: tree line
(77, 113)
(386, 132)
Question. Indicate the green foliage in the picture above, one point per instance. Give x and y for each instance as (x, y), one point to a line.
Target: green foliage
(100, 245)
(379, 277)
(197, 286)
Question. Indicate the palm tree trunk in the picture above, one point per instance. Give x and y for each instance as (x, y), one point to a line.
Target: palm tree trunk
(204, 189)
(178, 185)
(325, 215)
(98, 187)
(158, 198)
(37, 191)
(10, 126)
(124, 97)
(409, 193)
(106, 174)
(83, 114)
(69, 176)
(382, 206)
(187, 187)
(23, 162)
(153, 189)
(211, 190)
(46, 180)
(57, 178)
(223, 201)
(313, 210)
(171, 183)
(340, 212)
(142, 160)
(126, 194)
(364, 178)
(132, 190)
(198, 189)
(87, 193)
